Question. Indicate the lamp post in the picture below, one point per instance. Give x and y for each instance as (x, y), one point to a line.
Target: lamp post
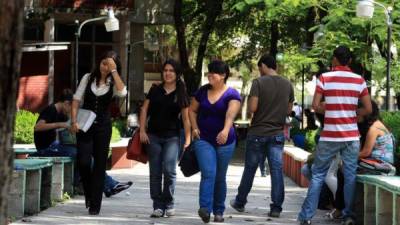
(111, 23)
(365, 9)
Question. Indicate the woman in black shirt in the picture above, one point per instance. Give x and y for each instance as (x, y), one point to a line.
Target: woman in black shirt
(163, 105)
(96, 90)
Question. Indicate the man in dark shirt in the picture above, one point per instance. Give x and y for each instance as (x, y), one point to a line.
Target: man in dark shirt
(50, 125)
(270, 101)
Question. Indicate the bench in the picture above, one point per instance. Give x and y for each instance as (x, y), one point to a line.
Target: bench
(30, 189)
(378, 200)
(63, 176)
(22, 151)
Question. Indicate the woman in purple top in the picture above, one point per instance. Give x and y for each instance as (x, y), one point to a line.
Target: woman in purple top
(211, 113)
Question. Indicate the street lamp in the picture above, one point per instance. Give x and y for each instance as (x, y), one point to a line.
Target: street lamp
(365, 9)
(111, 23)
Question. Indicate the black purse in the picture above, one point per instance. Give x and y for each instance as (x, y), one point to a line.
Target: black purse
(188, 162)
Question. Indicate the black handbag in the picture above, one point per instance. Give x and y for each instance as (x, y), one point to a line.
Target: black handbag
(188, 162)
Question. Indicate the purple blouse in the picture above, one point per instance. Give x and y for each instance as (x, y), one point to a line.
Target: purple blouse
(211, 117)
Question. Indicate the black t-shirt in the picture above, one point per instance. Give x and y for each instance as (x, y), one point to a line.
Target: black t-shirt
(43, 139)
(163, 112)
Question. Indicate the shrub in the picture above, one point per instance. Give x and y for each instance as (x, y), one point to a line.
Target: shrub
(310, 140)
(24, 124)
(392, 122)
(116, 136)
(120, 125)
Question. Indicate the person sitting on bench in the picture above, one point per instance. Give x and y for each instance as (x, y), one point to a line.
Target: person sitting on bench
(52, 120)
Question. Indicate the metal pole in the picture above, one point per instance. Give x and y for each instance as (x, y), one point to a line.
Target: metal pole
(302, 99)
(76, 54)
(388, 59)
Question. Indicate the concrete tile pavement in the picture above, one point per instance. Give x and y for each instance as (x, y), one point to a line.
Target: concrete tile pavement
(134, 206)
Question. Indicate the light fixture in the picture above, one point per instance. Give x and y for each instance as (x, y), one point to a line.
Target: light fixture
(365, 9)
(111, 23)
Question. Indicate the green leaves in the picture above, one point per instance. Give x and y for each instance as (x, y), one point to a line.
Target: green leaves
(24, 124)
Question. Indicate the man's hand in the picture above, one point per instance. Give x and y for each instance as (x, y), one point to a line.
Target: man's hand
(63, 125)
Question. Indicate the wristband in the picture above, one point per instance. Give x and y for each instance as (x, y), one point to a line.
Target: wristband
(114, 70)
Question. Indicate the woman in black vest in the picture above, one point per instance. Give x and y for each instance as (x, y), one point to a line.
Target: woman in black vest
(96, 91)
(163, 105)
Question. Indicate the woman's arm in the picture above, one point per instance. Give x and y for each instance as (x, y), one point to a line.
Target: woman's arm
(142, 122)
(74, 114)
(369, 143)
(194, 106)
(233, 109)
(119, 84)
(186, 126)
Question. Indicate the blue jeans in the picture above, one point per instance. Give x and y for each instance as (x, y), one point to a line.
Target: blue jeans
(213, 163)
(163, 154)
(109, 183)
(57, 150)
(326, 152)
(256, 147)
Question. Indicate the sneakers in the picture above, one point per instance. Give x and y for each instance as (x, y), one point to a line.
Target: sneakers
(170, 212)
(275, 214)
(235, 206)
(218, 218)
(305, 222)
(157, 213)
(120, 186)
(348, 221)
(334, 214)
(204, 215)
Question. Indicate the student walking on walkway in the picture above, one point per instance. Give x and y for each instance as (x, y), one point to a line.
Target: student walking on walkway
(342, 89)
(212, 112)
(163, 106)
(271, 98)
(96, 90)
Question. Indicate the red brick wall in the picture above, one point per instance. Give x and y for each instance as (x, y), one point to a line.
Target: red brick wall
(33, 83)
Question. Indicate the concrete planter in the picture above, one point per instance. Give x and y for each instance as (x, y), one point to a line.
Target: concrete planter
(293, 160)
(118, 155)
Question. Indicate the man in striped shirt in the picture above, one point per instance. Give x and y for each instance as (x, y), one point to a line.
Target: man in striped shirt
(342, 90)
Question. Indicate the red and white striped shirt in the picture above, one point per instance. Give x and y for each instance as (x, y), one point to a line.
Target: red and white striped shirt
(342, 89)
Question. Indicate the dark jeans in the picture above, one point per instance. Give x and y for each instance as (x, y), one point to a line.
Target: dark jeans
(163, 155)
(93, 146)
(256, 147)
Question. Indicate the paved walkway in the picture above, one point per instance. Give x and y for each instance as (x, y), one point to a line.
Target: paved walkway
(133, 206)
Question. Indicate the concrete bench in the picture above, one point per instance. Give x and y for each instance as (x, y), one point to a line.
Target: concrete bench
(62, 176)
(378, 200)
(30, 189)
(22, 151)
(293, 159)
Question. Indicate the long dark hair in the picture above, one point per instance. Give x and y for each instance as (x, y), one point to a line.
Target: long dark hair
(182, 96)
(95, 74)
(368, 120)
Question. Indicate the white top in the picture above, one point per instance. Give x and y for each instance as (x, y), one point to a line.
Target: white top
(97, 90)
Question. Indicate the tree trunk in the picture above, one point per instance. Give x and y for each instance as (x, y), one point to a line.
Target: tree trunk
(11, 28)
(180, 27)
(274, 38)
(193, 76)
(214, 8)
